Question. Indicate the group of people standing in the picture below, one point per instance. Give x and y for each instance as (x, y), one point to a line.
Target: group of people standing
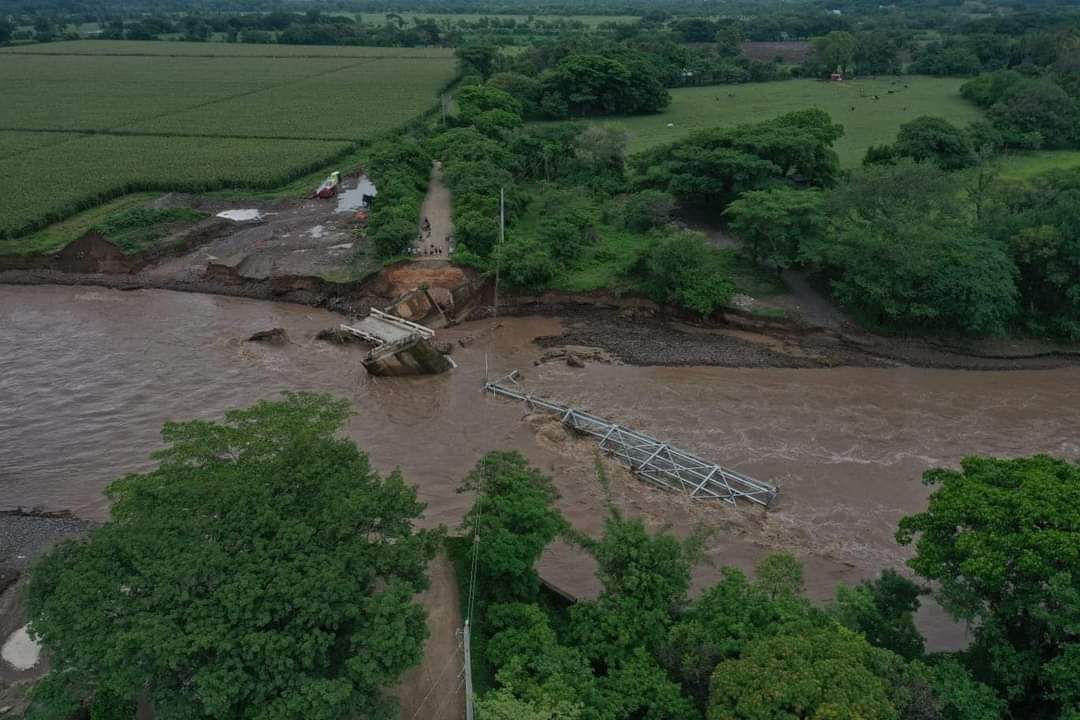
(431, 248)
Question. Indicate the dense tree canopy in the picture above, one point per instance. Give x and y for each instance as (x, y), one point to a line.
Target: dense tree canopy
(937, 140)
(772, 224)
(712, 167)
(905, 254)
(586, 84)
(829, 673)
(1039, 222)
(515, 517)
(1002, 540)
(264, 570)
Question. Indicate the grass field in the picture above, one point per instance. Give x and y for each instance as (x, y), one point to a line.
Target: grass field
(108, 118)
(871, 122)
(1024, 165)
(16, 143)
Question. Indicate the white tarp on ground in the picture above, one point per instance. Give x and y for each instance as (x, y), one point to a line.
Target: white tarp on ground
(244, 215)
(20, 650)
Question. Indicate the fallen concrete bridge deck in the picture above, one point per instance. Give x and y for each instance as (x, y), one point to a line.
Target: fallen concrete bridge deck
(400, 347)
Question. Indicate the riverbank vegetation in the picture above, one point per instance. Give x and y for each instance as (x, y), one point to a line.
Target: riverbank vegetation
(753, 649)
(262, 570)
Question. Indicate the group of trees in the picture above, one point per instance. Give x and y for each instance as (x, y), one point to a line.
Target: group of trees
(1030, 112)
(712, 167)
(758, 649)
(565, 190)
(400, 167)
(263, 570)
(925, 238)
(567, 80)
(859, 53)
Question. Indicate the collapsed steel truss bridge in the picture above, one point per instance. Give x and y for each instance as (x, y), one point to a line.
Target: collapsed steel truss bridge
(657, 462)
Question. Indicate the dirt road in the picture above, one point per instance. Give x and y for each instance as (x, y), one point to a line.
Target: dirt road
(434, 689)
(438, 213)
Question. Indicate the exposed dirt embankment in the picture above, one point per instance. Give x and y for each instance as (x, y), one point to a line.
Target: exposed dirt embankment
(286, 249)
(640, 332)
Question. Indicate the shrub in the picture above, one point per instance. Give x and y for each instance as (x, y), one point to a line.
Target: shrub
(647, 209)
(683, 270)
(526, 263)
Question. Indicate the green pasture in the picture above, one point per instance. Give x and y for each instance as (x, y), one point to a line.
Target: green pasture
(871, 111)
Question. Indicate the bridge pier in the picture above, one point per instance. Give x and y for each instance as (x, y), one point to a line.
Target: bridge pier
(416, 358)
(401, 347)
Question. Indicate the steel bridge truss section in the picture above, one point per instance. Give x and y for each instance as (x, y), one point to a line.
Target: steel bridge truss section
(656, 461)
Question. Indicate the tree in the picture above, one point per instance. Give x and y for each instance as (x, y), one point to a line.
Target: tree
(1039, 106)
(836, 51)
(882, 611)
(526, 90)
(515, 517)
(989, 88)
(6, 29)
(821, 675)
(645, 579)
(647, 209)
(263, 570)
(600, 149)
(1039, 222)
(946, 59)
(772, 223)
(586, 84)
(479, 60)
(467, 144)
(476, 100)
(720, 623)
(639, 688)
(905, 254)
(875, 54)
(683, 270)
(954, 694)
(937, 140)
(779, 576)
(526, 263)
(1001, 538)
(501, 704)
(713, 166)
(394, 237)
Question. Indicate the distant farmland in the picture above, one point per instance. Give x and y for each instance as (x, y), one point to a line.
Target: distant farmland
(82, 122)
(866, 121)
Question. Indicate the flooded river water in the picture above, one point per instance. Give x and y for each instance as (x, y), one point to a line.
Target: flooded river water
(87, 376)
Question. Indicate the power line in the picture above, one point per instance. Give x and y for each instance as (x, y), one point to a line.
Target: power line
(476, 542)
(435, 684)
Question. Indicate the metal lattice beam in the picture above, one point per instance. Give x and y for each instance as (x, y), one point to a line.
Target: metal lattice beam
(657, 462)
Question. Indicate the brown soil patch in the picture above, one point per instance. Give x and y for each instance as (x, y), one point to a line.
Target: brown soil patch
(399, 280)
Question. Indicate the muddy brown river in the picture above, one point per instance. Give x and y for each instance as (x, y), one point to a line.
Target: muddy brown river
(88, 375)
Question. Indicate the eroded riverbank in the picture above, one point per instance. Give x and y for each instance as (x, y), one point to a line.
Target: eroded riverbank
(88, 375)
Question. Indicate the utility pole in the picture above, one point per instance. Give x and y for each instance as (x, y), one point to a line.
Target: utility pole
(468, 674)
(502, 236)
